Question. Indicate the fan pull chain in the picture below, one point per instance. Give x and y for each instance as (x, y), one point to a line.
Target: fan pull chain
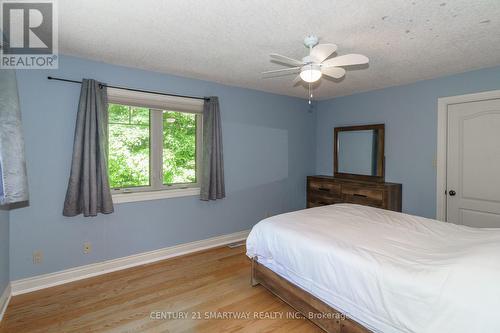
(310, 94)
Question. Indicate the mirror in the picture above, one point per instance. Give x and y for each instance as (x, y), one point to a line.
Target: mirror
(359, 152)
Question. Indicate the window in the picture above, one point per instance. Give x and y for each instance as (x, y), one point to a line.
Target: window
(129, 146)
(154, 144)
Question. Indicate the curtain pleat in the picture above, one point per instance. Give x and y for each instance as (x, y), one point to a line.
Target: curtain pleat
(88, 190)
(212, 178)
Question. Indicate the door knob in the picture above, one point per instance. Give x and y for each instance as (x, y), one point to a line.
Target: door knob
(452, 193)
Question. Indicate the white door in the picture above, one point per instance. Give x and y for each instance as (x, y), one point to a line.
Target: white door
(473, 164)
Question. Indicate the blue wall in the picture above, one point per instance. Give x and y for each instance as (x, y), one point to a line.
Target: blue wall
(4, 249)
(271, 143)
(268, 151)
(410, 115)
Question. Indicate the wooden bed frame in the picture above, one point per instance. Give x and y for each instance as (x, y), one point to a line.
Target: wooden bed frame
(317, 311)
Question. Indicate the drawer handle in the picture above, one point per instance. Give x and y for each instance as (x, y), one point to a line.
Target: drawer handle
(323, 189)
(359, 195)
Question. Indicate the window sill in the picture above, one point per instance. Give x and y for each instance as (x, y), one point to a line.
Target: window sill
(155, 195)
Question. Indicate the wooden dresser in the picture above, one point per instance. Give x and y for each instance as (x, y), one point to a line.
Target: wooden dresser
(327, 190)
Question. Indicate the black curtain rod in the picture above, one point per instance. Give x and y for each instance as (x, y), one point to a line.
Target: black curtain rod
(131, 89)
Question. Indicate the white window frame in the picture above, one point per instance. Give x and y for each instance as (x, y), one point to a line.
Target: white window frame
(157, 103)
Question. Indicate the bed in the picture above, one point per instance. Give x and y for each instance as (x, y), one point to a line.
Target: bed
(385, 271)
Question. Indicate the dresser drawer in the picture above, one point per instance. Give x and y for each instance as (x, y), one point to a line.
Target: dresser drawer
(363, 195)
(312, 204)
(319, 199)
(327, 190)
(324, 188)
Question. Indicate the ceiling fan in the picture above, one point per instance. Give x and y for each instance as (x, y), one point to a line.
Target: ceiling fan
(313, 66)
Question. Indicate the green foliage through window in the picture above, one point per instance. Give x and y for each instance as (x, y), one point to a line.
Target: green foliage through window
(179, 147)
(129, 139)
(130, 142)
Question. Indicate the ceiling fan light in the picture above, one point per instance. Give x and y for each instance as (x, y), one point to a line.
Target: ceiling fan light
(310, 73)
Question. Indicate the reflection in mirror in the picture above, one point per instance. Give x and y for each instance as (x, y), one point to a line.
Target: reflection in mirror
(357, 152)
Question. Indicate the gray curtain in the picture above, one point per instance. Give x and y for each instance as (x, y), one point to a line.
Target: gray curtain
(88, 188)
(212, 178)
(13, 178)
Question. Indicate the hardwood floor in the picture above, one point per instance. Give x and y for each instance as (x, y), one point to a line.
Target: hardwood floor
(211, 288)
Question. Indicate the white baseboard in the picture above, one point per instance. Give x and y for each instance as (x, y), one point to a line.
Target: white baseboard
(4, 300)
(82, 272)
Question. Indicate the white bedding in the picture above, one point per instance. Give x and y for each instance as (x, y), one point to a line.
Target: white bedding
(391, 272)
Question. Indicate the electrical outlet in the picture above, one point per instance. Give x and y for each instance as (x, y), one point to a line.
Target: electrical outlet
(87, 247)
(37, 257)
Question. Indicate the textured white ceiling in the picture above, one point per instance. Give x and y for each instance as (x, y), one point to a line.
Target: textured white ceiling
(228, 41)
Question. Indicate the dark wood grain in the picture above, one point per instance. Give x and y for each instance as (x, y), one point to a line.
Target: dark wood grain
(328, 190)
(320, 313)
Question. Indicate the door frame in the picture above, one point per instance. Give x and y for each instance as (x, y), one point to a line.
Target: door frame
(442, 142)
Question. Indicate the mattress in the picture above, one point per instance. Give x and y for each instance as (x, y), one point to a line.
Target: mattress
(389, 271)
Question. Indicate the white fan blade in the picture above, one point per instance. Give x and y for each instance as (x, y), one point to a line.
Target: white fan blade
(286, 60)
(322, 51)
(280, 72)
(335, 72)
(346, 60)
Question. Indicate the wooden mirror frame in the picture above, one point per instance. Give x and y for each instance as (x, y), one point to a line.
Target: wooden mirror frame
(380, 176)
